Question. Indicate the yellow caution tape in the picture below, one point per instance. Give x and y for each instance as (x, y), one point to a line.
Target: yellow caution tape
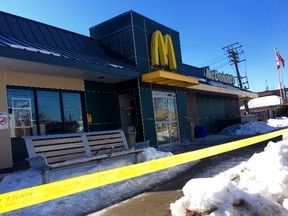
(34, 195)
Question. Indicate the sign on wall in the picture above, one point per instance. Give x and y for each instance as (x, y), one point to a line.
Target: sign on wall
(3, 120)
(162, 49)
(219, 77)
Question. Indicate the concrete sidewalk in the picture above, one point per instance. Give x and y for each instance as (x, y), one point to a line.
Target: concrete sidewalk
(156, 202)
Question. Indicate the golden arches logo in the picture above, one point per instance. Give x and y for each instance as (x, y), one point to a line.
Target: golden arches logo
(162, 49)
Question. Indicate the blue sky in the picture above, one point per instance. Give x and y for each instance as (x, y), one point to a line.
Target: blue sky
(205, 27)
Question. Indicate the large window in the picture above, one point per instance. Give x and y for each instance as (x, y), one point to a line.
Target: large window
(42, 112)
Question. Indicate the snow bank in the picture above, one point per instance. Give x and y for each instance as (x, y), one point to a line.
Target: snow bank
(95, 199)
(249, 128)
(279, 122)
(256, 187)
(152, 154)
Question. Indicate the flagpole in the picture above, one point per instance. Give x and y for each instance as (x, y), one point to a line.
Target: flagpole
(282, 82)
(280, 77)
(280, 88)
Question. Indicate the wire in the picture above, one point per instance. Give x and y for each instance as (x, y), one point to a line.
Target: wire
(222, 65)
(213, 61)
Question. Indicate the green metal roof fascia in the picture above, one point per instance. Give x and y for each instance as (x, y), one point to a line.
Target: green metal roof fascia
(58, 61)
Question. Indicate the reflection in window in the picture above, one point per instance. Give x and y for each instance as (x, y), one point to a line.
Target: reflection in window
(171, 108)
(72, 112)
(160, 109)
(166, 118)
(174, 132)
(22, 118)
(162, 133)
(57, 112)
(50, 121)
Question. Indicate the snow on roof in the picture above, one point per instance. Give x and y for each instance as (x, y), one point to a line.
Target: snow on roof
(272, 100)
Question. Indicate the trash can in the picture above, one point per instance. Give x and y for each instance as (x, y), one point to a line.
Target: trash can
(200, 132)
(131, 136)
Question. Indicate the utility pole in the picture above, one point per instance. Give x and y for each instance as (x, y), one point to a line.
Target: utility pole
(233, 51)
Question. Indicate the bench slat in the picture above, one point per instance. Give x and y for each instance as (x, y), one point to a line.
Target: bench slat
(103, 137)
(106, 146)
(80, 161)
(107, 142)
(63, 158)
(63, 152)
(56, 141)
(107, 150)
(58, 147)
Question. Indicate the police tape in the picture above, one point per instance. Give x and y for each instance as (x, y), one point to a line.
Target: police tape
(38, 194)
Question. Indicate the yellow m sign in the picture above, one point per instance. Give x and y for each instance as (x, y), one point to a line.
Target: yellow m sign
(162, 48)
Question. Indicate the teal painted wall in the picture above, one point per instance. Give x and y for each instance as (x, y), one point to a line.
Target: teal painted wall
(216, 112)
(102, 104)
(127, 38)
(183, 117)
(149, 130)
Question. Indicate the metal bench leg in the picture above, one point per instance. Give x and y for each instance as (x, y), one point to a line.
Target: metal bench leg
(45, 177)
(136, 158)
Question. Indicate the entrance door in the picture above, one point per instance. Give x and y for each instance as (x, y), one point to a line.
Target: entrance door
(127, 104)
(165, 112)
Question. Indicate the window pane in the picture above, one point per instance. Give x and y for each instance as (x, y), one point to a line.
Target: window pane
(73, 120)
(171, 108)
(162, 133)
(50, 121)
(160, 109)
(22, 118)
(174, 132)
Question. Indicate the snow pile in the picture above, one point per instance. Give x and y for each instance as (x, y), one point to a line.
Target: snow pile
(30, 178)
(279, 122)
(91, 200)
(256, 187)
(152, 154)
(249, 128)
(246, 189)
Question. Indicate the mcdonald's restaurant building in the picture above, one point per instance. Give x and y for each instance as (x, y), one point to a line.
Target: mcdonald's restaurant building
(128, 74)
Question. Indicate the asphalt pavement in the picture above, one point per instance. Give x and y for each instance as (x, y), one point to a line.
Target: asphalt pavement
(156, 201)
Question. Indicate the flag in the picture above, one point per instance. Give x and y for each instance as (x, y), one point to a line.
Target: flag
(279, 60)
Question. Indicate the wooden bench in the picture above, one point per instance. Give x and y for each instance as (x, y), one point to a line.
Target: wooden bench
(55, 152)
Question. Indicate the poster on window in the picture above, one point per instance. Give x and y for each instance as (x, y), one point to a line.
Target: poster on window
(22, 112)
(3, 120)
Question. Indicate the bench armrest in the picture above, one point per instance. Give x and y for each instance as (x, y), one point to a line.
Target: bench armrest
(39, 163)
(141, 145)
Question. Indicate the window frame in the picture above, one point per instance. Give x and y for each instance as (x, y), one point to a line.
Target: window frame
(60, 91)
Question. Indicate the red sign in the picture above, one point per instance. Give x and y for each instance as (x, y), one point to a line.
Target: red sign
(3, 121)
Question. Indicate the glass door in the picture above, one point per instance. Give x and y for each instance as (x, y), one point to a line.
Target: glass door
(166, 121)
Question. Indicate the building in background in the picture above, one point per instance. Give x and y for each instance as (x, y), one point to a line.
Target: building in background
(128, 74)
(264, 107)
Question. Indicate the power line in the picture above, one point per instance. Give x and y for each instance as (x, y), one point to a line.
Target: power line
(222, 65)
(213, 61)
